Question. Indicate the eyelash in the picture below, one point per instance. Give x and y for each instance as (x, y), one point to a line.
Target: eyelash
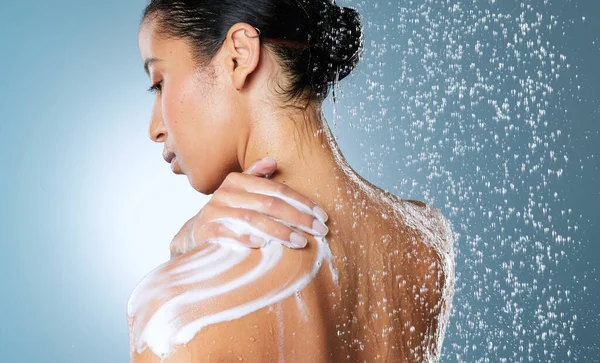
(155, 87)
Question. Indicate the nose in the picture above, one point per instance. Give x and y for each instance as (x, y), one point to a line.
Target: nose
(158, 130)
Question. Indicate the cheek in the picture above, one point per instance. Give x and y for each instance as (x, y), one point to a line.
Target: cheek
(214, 115)
(205, 130)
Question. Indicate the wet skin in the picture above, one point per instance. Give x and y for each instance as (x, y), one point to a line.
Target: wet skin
(392, 258)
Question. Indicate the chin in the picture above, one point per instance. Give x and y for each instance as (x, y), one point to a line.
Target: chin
(206, 179)
(203, 186)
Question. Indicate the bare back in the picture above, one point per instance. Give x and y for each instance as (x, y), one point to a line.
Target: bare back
(379, 287)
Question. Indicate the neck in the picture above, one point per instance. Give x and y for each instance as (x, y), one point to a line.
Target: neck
(307, 155)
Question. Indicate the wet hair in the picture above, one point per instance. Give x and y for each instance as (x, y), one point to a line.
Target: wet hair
(317, 42)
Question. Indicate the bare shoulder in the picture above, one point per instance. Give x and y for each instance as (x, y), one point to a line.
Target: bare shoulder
(432, 243)
(249, 338)
(217, 303)
(429, 221)
(429, 259)
(421, 217)
(434, 232)
(423, 231)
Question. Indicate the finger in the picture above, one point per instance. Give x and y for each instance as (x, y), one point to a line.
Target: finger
(181, 244)
(182, 241)
(246, 221)
(276, 189)
(216, 231)
(271, 206)
(262, 167)
(213, 232)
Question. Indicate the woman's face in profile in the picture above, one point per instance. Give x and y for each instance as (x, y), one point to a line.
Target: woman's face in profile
(194, 112)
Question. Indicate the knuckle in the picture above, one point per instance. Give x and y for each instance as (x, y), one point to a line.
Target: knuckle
(281, 188)
(220, 194)
(176, 247)
(269, 202)
(173, 246)
(305, 218)
(232, 177)
(248, 216)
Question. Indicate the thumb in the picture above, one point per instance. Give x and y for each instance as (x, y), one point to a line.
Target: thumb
(262, 167)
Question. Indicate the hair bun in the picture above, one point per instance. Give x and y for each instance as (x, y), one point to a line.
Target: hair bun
(341, 42)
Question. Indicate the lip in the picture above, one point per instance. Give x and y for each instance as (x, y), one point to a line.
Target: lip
(168, 156)
(174, 166)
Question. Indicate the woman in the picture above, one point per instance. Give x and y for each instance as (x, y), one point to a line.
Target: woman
(236, 81)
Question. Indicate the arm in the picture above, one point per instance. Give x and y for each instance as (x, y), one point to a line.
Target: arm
(251, 338)
(209, 303)
(206, 283)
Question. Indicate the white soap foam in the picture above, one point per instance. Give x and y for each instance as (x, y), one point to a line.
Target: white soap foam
(164, 328)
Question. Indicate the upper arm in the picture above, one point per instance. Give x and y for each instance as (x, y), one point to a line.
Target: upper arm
(250, 338)
(214, 303)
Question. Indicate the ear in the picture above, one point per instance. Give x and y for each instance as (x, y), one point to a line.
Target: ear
(242, 53)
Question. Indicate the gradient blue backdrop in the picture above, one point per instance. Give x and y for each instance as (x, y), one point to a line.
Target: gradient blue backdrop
(504, 139)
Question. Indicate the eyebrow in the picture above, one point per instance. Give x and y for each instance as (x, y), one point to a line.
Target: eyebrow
(149, 62)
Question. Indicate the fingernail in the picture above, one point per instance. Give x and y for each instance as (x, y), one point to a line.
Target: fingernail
(269, 160)
(320, 227)
(298, 239)
(257, 241)
(320, 213)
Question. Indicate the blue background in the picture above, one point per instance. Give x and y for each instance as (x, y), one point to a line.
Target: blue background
(488, 110)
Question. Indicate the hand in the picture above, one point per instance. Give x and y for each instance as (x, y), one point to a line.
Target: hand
(259, 203)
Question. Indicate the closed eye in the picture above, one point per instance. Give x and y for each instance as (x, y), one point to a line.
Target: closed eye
(155, 87)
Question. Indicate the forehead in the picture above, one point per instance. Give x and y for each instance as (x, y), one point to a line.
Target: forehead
(173, 53)
(148, 41)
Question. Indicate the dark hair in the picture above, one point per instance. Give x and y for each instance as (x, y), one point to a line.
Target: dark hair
(317, 42)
